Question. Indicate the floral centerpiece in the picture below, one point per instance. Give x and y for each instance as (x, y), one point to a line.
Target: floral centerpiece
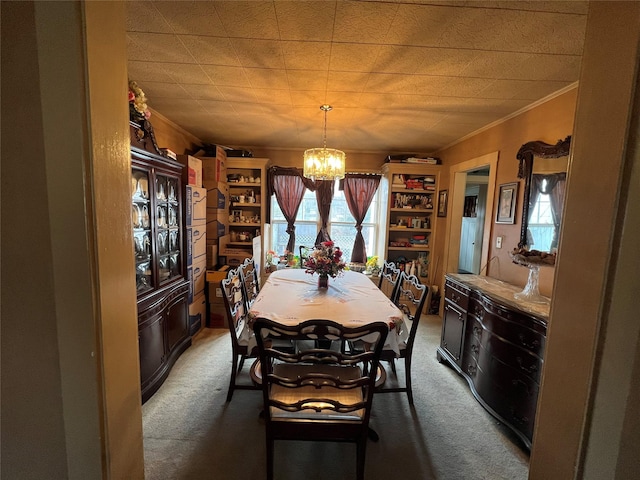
(372, 265)
(138, 110)
(326, 261)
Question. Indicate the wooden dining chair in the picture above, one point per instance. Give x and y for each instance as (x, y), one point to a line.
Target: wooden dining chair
(410, 297)
(250, 283)
(389, 276)
(304, 254)
(318, 394)
(237, 317)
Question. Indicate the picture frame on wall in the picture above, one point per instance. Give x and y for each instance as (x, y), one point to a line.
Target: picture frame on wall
(442, 203)
(507, 196)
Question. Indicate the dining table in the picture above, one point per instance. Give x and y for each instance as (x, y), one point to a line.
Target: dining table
(291, 295)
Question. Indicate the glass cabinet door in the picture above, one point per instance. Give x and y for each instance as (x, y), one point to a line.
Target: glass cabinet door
(142, 232)
(168, 227)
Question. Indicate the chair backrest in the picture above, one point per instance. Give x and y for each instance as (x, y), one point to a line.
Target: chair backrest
(249, 275)
(304, 254)
(389, 277)
(411, 297)
(235, 303)
(319, 384)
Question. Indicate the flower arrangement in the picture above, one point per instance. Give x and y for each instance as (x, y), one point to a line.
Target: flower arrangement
(270, 256)
(372, 265)
(325, 260)
(138, 110)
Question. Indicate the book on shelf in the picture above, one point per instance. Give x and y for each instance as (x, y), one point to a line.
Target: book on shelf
(429, 160)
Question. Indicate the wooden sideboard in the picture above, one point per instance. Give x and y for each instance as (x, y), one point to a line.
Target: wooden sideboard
(497, 344)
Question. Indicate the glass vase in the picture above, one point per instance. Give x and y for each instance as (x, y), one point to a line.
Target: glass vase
(531, 293)
(323, 282)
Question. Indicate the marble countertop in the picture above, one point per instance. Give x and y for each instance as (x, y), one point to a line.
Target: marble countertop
(503, 292)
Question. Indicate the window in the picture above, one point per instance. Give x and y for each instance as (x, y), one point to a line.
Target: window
(341, 225)
(541, 225)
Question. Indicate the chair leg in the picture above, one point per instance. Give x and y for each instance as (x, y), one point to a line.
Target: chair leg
(270, 448)
(360, 457)
(232, 381)
(407, 372)
(392, 363)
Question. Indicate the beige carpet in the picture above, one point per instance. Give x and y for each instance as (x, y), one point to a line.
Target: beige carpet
(190, 432)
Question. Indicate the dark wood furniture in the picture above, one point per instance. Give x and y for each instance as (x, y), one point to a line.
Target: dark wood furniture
(410, 296)
(235, 306)
(497, 344)
(161, 286)
(318, 394)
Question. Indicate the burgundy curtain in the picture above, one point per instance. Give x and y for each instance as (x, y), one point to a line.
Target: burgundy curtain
(288, 184)
(554, 187)
(359, 190)
(324, 196)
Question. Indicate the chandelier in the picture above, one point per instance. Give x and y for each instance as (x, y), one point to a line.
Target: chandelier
(324, 163)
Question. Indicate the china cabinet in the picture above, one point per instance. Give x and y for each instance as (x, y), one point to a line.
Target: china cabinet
(161, 286)
(497, 344)
(408, 194)
(246, 178)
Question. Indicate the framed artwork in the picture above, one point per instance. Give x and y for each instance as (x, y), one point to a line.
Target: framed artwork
(442, 203)
(507, 195)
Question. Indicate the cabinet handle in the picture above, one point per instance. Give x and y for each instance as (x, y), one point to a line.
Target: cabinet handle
(460, 316)
(477, 331)
(517, 382)
(522, 420)
(531, 346)
(474, 348)
(455, 298)
(472, 369)
(532, 369)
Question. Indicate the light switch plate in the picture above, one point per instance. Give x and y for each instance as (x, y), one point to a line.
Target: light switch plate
(498, 242)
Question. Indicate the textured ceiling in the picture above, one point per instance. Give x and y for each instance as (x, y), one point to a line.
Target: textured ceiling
(402, 76)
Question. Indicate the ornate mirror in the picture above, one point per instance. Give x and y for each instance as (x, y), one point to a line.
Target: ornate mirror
(544, 169)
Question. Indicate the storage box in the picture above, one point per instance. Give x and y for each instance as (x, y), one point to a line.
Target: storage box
(196, 206)
(212, 255)
(221, 216)
(196, 275)
(235, 260)
(217, 194)
(215, 230)
(215, 168)
(197, 314)
(196, 244)
(213, 279)
(217, 317)
(192, 173)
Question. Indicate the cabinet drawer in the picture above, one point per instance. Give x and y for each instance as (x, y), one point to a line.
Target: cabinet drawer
(509, 393)
(521, 359)
(457, 293)
(517, 329)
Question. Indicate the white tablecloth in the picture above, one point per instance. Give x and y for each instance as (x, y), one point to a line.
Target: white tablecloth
(291, 296)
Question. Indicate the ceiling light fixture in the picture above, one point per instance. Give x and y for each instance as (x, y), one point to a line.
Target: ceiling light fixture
(324, 163)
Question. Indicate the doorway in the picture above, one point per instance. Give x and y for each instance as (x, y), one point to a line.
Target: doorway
(473, 215)
(457, 192)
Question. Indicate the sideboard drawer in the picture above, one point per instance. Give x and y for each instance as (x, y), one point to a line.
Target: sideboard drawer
(509, 393)
(457, 293)
(521, 359)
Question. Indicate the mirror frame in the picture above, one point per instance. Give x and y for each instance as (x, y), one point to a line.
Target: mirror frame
(525, 155)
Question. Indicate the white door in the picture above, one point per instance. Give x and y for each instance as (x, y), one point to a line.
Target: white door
(468, 245)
